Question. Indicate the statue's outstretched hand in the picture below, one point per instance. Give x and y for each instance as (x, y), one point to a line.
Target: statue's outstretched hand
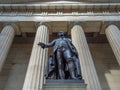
(41, 44)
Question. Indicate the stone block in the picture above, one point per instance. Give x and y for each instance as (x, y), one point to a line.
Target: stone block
(64, 85)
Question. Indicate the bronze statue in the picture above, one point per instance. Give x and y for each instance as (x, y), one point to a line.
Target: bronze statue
(64, 63)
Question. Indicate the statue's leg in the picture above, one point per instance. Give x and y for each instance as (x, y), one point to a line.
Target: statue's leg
(60, 65)
(70, 63)
(78, 69)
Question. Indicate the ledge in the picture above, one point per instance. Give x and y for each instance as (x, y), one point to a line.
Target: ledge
(58, 18)
(64, 85)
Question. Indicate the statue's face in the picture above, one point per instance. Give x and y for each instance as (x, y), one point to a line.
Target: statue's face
(61, 34)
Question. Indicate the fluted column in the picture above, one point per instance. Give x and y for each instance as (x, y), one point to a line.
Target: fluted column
(87, 65)
(35, 72)
(6, 38)
(113, 36)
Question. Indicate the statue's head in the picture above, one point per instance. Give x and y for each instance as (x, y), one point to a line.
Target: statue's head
(61, 34)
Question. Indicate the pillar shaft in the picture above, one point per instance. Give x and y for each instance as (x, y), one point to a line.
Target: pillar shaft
(6, 38)
(35, 72)
(87, 66)
(113, 36)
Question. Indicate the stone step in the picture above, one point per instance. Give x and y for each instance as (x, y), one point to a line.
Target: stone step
(115, 72)
(3, 77)
(2, 84)
(5, 72)
(16, 76)
(113, 78)
(7, 66)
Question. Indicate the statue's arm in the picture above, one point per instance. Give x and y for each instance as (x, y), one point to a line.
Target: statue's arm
(43, 45)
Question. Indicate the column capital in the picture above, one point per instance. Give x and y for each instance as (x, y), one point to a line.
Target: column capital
(111, 23)
(15, 26)
(72, 24)
(37, 24)
(78, 23)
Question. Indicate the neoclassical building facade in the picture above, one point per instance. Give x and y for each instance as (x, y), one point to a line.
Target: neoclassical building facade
(93, 26)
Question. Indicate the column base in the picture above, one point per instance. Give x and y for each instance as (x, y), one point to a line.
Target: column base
(64, 85)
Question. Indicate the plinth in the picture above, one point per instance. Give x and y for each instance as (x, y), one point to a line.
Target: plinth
(64, 85)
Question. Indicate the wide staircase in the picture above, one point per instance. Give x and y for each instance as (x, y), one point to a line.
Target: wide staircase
(14, 69)
(4, 75)
(113, 78)
(107, 67)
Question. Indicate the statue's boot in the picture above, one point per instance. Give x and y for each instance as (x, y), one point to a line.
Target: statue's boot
(78, 69)
(61, 74)
(71, 69)
(72, 74)
(79, 76)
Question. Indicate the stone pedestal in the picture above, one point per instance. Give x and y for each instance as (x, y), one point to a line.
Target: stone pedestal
(64, 85)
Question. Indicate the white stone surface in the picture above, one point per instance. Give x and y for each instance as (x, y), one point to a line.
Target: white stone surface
(87, 65)
(6, 38)
(113, 36)
(35, 72)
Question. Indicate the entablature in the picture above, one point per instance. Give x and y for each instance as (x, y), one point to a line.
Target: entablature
(62, 7)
